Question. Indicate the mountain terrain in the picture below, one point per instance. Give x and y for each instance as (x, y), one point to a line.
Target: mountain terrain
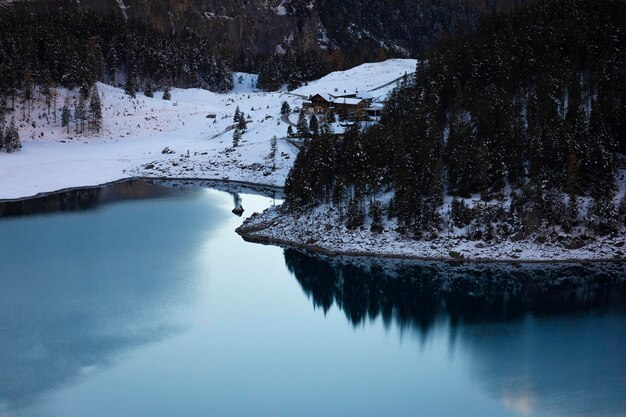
(351, 31)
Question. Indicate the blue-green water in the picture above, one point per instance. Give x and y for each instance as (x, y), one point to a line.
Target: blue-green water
(155, 307)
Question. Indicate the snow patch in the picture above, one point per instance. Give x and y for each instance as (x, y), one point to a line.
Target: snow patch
(123, 8)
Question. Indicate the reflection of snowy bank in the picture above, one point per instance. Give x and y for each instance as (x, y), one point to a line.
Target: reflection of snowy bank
(84, 198)
(321, 230)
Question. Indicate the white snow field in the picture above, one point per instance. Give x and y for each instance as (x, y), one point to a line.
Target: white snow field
(369, 80)
(136, 131)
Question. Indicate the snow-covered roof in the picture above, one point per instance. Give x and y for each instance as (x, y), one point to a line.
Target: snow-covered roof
(325, 96)
(349, 101)
(366, 95)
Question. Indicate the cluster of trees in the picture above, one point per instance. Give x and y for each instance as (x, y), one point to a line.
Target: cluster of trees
(374, 30)
(358, 31)
(78, 49)
(529, 109)
(84, 115)
(9, 135)
(291, 68)
(240, 126)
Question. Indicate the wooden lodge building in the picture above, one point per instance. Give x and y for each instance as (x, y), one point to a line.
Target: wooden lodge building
(347, 106)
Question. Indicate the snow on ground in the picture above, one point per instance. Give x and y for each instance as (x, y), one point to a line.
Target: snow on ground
(136, 131)
(377, 79)
(197, 125)
(322, 231)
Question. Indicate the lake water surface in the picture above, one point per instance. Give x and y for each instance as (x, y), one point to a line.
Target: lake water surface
(148, 304)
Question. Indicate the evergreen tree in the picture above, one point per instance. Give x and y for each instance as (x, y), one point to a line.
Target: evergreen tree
(12, 141)
(95, 110)
(149, 90)
(302, 125)
(314, 127)
(66, 114)
(269, 76)
(237, 116)
(80, 114)
(130, 87)
(472, 117)
(242, 124)
(285, 108)
(85, 90)
(236, 137)
(27, 91)
(274, 150)
(167, 95)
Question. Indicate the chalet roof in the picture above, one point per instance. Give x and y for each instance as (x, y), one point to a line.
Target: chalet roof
(366, 95)
(325, 96)
(349, 101)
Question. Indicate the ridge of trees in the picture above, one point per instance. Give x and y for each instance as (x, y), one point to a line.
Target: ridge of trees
(78, 49)
(530, 108)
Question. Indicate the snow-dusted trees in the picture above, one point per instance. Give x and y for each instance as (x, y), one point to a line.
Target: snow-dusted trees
(27, 91)
(285, 108)
(539, 144)
(66, 114)
(273, 151)
(167, 95)
(11, 140)
(270, 78)
(95, 110)
(80, 114)
(73, 49)
(302, 126)
(236, 137)
(130, 87)
(240, 120)
(293, 68)
(149, 90)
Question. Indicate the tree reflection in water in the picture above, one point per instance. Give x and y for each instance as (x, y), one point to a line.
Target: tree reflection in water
(416, 294)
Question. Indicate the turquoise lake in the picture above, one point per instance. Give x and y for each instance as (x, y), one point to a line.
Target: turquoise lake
(145, 302)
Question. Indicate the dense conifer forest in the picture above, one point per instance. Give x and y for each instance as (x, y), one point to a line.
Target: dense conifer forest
(528, 113)
(78, 49)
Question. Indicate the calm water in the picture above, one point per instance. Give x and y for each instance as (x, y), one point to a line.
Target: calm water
(155, 307)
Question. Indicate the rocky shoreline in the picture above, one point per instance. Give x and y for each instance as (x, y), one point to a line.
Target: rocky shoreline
(318, 233)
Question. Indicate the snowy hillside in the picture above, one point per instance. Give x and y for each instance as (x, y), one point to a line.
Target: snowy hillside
(376, 79)
(196, 124)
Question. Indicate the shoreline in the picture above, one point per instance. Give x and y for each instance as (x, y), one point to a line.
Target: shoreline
(403, 257)
(258, 230)
(222, 181)
(252, 230)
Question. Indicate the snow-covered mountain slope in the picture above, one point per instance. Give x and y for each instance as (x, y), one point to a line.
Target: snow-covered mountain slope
(196, 124)
(374, 79)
